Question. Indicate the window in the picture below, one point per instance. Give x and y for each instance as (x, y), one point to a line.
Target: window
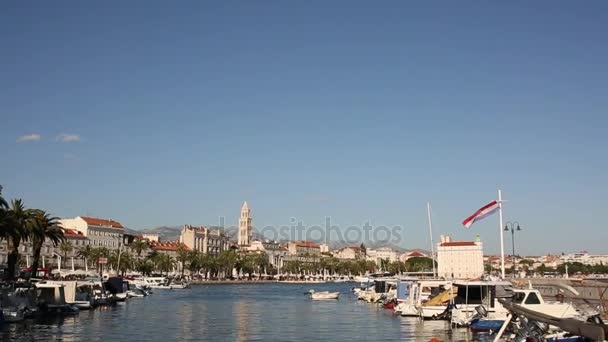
(518, 297)
(532, 299)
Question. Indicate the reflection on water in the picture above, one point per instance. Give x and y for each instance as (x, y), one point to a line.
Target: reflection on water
(236, 313)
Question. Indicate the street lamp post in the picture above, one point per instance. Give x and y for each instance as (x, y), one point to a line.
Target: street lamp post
(512, 226)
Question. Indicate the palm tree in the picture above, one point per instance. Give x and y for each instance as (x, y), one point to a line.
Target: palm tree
(17, 223)
(65, 248)
(4, 227)
(139, 246)
(194, 261)
(183, 256)
(87, 253)
(3, 203)
(43, 227)
(164, 262)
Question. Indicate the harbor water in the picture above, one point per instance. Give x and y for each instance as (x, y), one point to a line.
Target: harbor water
(246, 312)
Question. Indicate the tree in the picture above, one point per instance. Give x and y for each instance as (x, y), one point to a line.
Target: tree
(65, 248)
(183, 256)
(227, 261)
(16, 223)
(194, 261)
(419, 264)
(87, 252)
(164, 263)
(145, 267)
(139, 246)
(363, 249)
(43, 227)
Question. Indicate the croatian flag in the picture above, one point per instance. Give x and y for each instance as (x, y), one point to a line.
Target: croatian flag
(484, 211)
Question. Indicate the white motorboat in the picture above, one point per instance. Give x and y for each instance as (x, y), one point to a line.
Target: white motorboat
(136, 293)
(472, 294)
(323, 295)
(420, 292)
(181, 285)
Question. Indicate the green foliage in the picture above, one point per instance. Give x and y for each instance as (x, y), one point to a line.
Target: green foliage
(419, 264)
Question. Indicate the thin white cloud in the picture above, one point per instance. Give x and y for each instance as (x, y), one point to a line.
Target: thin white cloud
(29, 138)
(69, 156)
(66, 138)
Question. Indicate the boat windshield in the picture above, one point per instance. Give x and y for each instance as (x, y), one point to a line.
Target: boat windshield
(518, 297)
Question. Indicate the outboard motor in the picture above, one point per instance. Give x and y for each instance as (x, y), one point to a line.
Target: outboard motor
(480, 312)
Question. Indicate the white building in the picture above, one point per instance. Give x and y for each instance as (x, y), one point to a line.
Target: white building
(585, 258)
(382, 253)
(245, 227)
(100, 232)
(152, 237)
(349, 253)
(324, 248)
(459, 259)
(203, 239)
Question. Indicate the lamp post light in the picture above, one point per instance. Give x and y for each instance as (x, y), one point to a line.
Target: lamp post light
(512, 226)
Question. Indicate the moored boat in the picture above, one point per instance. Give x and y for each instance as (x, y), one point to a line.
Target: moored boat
(323, 295)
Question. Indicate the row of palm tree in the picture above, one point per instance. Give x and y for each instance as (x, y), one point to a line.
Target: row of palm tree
(337, 266)
(19, 224)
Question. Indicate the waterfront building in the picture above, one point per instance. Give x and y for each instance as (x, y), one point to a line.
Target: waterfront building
(459, 259)
(413, 254)
(245, 226)
(324, 248)
(351, 253)
(276, 254)
(152, 237)
(382, 253)
(50, 254)
(100, 232)
(167, 247)
(585, 258)
(205, 240)
(303, 248)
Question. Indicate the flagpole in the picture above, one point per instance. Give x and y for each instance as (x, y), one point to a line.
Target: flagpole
(428, 209)
(502, 243)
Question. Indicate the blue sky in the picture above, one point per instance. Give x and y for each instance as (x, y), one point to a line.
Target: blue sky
(163, 113)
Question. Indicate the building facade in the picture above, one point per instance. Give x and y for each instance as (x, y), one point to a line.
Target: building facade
(350, 253)
(168, 247)
(303, 248)
(100, 232)
(245, 226)
(50, 255)
(205, 240)
(152, 237)
(459, 259)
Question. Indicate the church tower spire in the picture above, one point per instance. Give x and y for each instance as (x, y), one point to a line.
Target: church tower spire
(245, 227)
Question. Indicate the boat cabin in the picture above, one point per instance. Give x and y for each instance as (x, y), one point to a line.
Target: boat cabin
(483, 293)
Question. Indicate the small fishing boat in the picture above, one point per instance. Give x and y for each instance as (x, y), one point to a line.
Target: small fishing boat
(323, 295)
(136, 293)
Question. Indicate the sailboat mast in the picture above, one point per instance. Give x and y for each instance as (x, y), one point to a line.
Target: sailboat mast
(428, 210)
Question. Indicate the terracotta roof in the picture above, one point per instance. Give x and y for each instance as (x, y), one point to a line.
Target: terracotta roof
(167, 246)
(415, 254)
(458, 244)
(73, 234)
(306, 244)
(101, 222)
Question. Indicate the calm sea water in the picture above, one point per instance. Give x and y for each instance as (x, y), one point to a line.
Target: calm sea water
(263, 312)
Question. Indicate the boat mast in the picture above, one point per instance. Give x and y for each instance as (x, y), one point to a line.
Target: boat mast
(428, 210)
